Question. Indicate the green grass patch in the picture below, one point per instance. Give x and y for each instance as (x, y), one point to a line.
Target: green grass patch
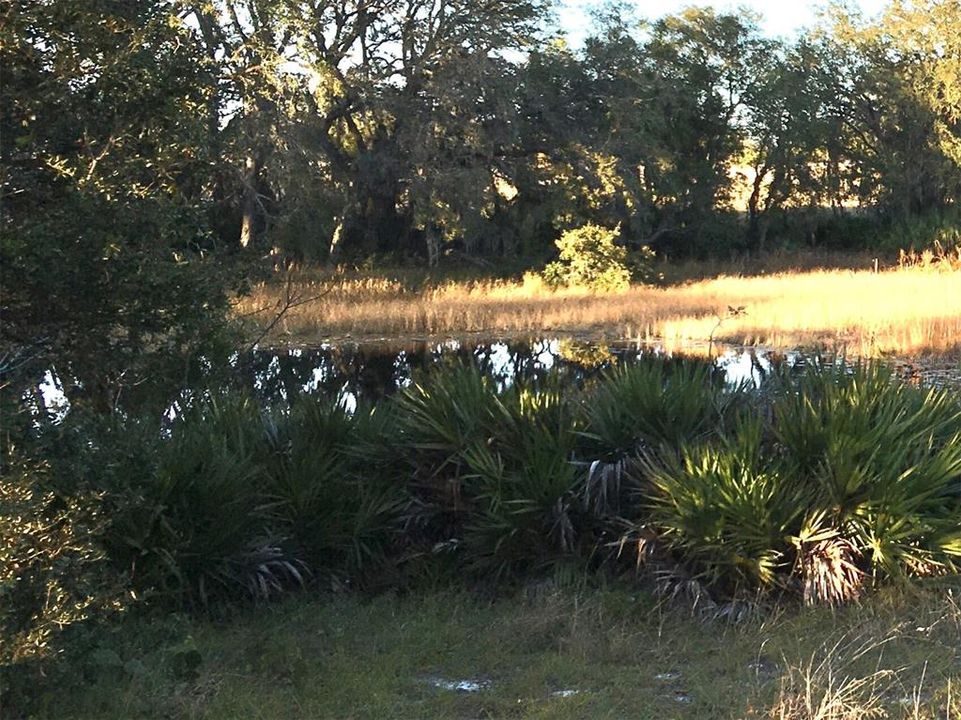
(548, 654)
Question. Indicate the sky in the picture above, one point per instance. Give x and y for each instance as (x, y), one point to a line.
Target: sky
(780, 18)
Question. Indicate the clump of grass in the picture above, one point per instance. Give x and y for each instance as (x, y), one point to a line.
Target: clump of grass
(883, 461)
(640, 407)
(194, 529)
(827, 686)
(649, 404)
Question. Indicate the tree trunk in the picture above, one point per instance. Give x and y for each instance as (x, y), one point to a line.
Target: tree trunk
(336, 240)
(753, 209)
(249, 220)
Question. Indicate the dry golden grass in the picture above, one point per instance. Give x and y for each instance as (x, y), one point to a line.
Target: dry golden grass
(905, 310)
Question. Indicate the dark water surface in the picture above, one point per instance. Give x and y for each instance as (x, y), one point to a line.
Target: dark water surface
(371, 371)
(355, 371)
(368, 371)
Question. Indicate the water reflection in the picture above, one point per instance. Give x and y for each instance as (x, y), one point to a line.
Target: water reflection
(354, 372)
(372, 371)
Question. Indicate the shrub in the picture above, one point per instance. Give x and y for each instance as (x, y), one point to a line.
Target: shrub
(653, 403)
(53, 572)
(525, 516)
(849, 476)
(643, 407)
(818, 485)
(437, 421)
(590, 258)
(333, 503)
(883, 461)
(187, 511)
(490, 472)
(923, 232)
(725, 511)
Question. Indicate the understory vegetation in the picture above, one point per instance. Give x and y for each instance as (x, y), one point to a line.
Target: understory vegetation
(820, 486)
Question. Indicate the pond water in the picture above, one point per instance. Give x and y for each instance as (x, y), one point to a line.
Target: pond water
(370, 371)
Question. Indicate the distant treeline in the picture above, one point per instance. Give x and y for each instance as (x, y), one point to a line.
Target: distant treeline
(360, 127)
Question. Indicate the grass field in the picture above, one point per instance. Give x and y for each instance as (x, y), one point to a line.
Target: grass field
(548, 654)
(901, 311)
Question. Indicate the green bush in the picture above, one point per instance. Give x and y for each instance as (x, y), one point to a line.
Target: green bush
(490, 472)
(653, 403)
(923, 232)
(643, 407)
(437, 421)
(883, 463)
(726, 511)
(334, 504)
(526, 511)
(821, 485)
(53, 572)
(590, 258)
(847, 477)
(201, 531)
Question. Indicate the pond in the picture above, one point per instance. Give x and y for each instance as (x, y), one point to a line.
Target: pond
(356, 371)
(371, 371)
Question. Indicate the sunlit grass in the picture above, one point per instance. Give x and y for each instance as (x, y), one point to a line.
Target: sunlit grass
(902, 311)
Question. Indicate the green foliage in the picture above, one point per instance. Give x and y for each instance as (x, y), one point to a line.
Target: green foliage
(883, 464)
(490, 471)
(653, 403)
(589, 258)
(931, 231)
(201, 531)
(333, 502)
(102, 127)
(726, 510)
(443, 416)
(526, 512)
(53, 573)
(820, 485)
(642, 407)
(850, 475)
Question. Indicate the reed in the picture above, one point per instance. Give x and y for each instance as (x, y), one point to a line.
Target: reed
(904, 310)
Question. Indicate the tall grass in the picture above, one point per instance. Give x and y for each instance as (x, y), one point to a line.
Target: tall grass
(901, 310)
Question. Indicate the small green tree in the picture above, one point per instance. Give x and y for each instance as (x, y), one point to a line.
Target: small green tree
(589, 258)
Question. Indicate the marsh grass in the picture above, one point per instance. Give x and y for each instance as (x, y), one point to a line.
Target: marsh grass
(618, 653)
(905, 310)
